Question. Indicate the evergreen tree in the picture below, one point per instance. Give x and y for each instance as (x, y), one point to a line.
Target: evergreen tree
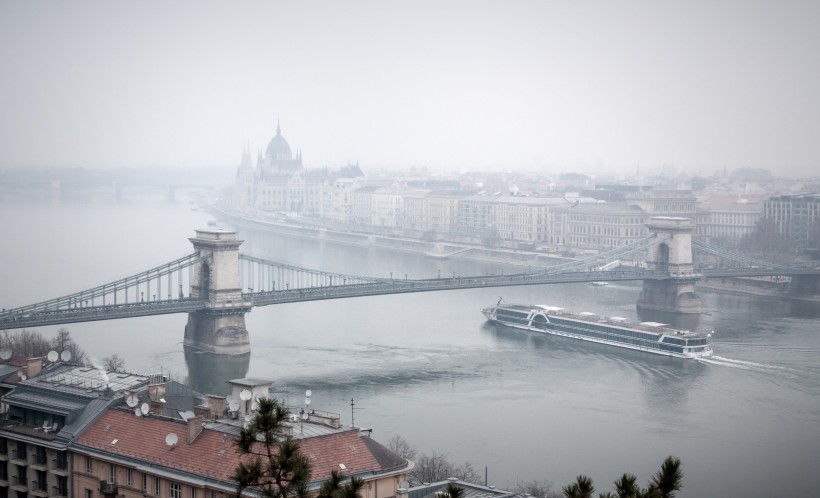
(276, 466)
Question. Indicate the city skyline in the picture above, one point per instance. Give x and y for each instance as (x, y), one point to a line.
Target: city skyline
(455, 86)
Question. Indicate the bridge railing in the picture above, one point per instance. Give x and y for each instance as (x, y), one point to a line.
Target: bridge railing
(262, 274)
(118, 291)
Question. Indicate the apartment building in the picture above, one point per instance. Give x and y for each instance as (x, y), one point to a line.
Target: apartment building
(797, 216)
(46, 404)
(521, 218)
(601, 226)
(440, 210)
(130, 455)
(725, 220)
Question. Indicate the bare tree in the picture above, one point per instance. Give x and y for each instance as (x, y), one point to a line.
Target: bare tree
(26, 343)
(63, 342)
(401, 447)
(432, 468)
(113, 363)
(538, 489)
(465, 473)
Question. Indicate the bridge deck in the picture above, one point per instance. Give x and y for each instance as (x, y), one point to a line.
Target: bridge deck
(28, 317)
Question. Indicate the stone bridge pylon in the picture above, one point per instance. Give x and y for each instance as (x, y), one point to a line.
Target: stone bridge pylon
(220, 327)
(673, 255)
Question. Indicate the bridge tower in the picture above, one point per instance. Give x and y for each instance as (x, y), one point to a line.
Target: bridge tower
(674, 257)
(220, 327)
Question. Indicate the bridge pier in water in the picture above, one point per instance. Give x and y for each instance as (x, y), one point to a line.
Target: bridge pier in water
(674, 256)
(220, 327)
(804, 285)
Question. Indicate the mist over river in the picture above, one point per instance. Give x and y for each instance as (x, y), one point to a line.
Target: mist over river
(429, 368)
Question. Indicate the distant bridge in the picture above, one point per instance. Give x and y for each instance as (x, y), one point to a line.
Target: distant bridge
(216, 285)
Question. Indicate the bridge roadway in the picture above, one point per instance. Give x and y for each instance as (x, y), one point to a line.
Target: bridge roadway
(14, 319)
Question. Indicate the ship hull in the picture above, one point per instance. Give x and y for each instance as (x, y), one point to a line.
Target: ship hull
(545, 326)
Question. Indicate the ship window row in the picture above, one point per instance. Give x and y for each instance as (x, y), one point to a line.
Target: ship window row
(512, 313)
(674, 340)
(649, 336)
(646, 343)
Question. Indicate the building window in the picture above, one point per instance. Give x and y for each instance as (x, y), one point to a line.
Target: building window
(144, 482)
(112, 473)
(62, 486)
(193, 492)
(174, 490)
(22, 454)
(89, 467)
(129, 477)
(89, 493)
(61, 460)
(156, 486)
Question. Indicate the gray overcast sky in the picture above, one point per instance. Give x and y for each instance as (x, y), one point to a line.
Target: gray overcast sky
(451, 85)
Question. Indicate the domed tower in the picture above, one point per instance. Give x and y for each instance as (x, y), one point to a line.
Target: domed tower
(278, 148)
(281, 178)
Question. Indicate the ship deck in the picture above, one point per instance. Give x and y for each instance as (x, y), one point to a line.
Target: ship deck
(615, 321)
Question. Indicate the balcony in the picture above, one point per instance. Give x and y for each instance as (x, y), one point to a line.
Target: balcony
(19, 427)
(38, 489)
(59, 466)
(19, 483)
(58, 492)
(20, 458)
(109, 488)
(40, 463)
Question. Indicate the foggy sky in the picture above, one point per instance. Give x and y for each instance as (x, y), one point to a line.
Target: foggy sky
(451, 85)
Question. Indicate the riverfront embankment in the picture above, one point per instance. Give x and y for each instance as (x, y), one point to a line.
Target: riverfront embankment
(467, 248)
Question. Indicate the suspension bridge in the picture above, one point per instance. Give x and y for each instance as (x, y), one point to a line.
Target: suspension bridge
(216, 284)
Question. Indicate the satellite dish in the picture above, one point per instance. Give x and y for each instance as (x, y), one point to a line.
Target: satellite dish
(245, 395)
(254, 406)
(5, 354)
(53, 356)
(304, 416)
(20, 374)
(171, 439)
(308, 393)
(65, 355)
(144, 408)
(137, 412)
(228, 399)
(307, 401)
(23, 377)
(245, 425)
(247, 418)
(132, 400)
(233, 406)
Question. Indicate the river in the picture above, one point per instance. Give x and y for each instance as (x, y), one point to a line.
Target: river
(429, 368)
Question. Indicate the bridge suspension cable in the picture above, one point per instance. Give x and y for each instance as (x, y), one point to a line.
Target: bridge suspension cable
(733, 256)
(606, 257)
(260, 274)
(136, 288)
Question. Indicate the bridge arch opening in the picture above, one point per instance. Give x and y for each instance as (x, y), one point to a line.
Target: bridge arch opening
(204, 281)
(663, 257)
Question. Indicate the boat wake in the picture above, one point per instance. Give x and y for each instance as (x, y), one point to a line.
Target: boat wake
(744, 365)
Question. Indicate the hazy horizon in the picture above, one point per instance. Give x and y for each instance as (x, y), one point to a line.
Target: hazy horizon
(536, 86)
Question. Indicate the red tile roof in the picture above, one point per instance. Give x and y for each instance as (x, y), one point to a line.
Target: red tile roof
(213, 453)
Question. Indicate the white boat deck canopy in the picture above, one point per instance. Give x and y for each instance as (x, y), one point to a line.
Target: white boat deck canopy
(653, 324)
